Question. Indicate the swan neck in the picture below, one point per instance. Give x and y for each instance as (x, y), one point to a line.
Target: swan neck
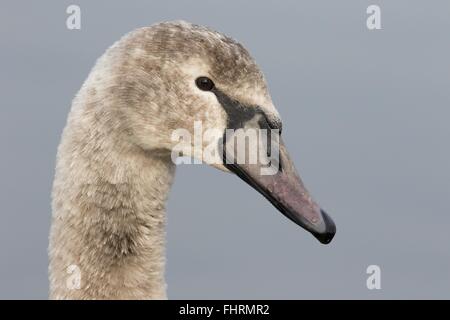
(107, 237)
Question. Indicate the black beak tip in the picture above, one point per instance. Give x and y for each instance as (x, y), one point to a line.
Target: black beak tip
(330, 229)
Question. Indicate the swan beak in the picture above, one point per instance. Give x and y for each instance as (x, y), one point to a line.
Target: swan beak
(285, 190)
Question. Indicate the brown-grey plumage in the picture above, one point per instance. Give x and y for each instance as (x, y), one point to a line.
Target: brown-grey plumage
(114, 169)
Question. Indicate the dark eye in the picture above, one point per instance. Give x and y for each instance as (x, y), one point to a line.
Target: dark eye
(204, 83)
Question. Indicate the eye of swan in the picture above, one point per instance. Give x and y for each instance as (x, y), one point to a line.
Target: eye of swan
(204, 83)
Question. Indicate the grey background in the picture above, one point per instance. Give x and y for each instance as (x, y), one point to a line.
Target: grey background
(366, 120)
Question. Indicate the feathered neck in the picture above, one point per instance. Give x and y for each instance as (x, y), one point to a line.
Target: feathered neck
(108, 222)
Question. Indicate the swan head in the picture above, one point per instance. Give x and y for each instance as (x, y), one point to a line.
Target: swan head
(183, 89)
